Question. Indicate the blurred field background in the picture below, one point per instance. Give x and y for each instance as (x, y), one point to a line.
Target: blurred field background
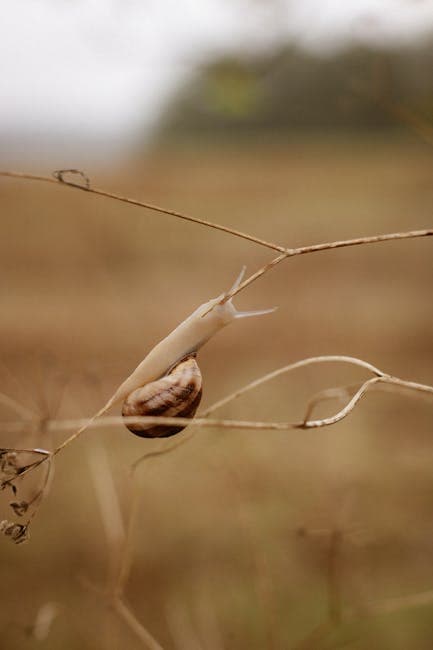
(244, 540)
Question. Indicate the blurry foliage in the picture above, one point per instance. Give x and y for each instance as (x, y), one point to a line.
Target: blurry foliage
(232, 90)
(296, 90)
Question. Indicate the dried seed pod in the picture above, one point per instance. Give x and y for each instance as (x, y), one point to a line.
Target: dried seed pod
(176, 394)
(18, 533)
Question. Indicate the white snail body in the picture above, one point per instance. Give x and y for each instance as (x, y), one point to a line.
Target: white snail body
(185, 340)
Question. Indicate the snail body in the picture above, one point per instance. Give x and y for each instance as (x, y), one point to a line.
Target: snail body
(186, 339)
(165, 364)
(177, 394)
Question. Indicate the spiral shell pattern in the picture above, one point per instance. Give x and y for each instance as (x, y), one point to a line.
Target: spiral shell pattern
(177, 394)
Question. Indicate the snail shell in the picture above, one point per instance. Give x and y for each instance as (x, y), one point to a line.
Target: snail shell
(176, 394)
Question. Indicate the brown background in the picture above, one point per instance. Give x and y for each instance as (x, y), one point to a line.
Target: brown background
(233, 547)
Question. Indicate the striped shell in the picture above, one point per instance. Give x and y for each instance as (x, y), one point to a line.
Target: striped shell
(176, 394)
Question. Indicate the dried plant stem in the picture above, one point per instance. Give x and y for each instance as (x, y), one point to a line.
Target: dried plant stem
(333, 358)
(45, 456)
(85, 424)
(126, 552)
(125, 613)
(161, 452)
(346, 392)
(285, 252)
(97, 421)
(43, 490)
(118, 541)
(171, 446)
(333, 577)
(333, 419)
(409, 385)
(19, 409)
(109, 507)
(315, 248)
(340, 392)
(107, 421)
(58, 180)
(399, 603)
(65, 425)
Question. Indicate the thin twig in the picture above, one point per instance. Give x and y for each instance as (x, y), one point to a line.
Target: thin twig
(346, 392)
(118, 540)
(34, 450)
(337, 417)
(108, 421)
(399, 603)
(125, 561)
(66, 425)
(315, 248)
(20, 409)
(340, 393)
(96, 421)
(37, 500)
(109, 506)
(58, 180)
(331, 358)
(333, 578)
(285, 252)
(409, 385)
(125, 613)
(160, 452)
(254, 384)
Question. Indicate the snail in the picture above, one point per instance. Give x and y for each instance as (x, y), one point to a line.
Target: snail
(168, 380)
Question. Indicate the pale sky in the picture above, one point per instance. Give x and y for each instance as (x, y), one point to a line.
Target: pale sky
(107, 67)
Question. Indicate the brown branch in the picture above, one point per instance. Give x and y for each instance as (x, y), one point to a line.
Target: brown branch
(118, 542)
(160, 452)
(58, 179)
(399, 603)
(19, 409)
(66, 425)
(285, 252)
(315, 248)
(333, 577)
(82, 424)
(337, 417)
(333, 358)
(125, 613)
(328, 394)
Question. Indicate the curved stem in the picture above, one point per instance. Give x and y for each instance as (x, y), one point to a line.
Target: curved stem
(333, 419)
(333, 358)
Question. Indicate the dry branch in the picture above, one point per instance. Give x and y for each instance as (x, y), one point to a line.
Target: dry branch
(334, 358)
(103, 421)
(59, 179)
(316, 248)
(134, 624)
(79, 426)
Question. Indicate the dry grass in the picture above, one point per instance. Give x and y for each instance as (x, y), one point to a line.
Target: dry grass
(234, 535)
